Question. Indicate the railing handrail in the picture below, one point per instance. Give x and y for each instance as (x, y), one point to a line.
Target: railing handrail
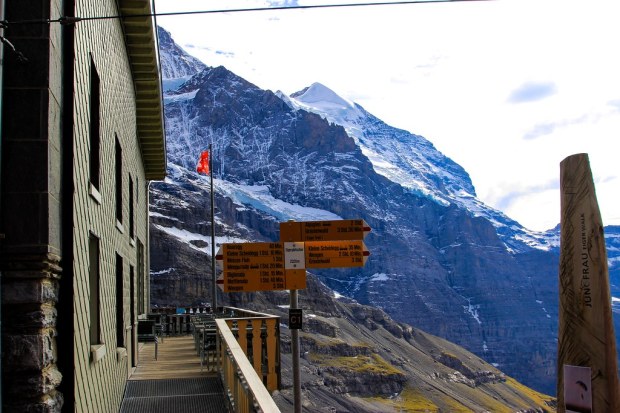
(254, 314)
(259, 392)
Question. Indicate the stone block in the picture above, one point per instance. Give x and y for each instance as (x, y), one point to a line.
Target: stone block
(34, 382)
(26, 318)
(29, 290)
(29, 351)
(48, 403)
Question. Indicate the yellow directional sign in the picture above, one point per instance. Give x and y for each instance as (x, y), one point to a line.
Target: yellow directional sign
(346, 229)
(252, 266)
(330, 254)
(256, 266)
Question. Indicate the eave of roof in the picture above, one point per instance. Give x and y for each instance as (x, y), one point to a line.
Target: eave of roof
(141, 42)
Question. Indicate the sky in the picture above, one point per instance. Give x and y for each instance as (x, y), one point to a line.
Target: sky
(505, 88)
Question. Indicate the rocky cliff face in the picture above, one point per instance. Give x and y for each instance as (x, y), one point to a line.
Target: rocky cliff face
(175, 63)
(434, 264)
(356, 358)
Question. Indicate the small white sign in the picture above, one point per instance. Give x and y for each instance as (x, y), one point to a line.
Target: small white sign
(577, 389)
(294, 256)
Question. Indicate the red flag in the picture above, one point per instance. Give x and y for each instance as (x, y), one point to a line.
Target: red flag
(203, 163)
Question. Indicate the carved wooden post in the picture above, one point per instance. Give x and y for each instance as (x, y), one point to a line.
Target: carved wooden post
(242, 337)
(272, 377)
(257, 346)
(586, 334)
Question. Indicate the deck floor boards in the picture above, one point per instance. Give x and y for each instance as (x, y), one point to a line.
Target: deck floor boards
(177, 358)
(174, 383)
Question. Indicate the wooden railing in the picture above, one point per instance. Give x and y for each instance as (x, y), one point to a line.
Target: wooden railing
(243, 337)
(245, 351)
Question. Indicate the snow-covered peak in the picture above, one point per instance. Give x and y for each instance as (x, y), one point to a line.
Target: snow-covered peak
(413, 162)
(320, 96)
(320, 99)
(409, 160)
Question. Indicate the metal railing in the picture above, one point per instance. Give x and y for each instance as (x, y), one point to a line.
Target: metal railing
(249, 336)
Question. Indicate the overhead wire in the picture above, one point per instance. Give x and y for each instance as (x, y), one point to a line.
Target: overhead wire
(67, 20)
(64, 20)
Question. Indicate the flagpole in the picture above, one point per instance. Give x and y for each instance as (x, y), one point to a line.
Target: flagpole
(213, 286)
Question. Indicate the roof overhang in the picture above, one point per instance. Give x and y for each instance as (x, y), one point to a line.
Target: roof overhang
(142, 47)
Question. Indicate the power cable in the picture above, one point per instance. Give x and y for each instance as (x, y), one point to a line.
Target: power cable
(71, 20)
(68, 20)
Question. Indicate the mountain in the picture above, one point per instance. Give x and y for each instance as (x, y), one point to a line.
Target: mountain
(176, 65)
(441, 260)
(414, 163)
(355, 358)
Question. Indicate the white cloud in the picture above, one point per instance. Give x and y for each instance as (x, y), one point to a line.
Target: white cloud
(446, 71)
(532, 91)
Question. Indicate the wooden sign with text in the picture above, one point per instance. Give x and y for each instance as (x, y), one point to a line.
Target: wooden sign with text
(256, 266)
(345, 229)
(331, 254)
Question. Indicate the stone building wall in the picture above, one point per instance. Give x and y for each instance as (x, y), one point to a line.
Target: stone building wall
(48, 357)
(30, 207)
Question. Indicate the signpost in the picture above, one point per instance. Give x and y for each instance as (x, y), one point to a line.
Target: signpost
(295, 318)
(252, 266)
(258, 266)
(326, 244)
(339, 230)
(331, 254)
(265, 266)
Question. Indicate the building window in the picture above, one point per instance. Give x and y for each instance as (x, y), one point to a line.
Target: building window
(93, 258)
(141, 279)
(94, 131)
(131, 209)
(120, 322)
(132, 295)
(119, 181)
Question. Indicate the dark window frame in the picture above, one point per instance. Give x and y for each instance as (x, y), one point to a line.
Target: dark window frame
(120, 302)
(132, 232)
(118, 165)
(94, 270)
(141, 278)
(95, 127)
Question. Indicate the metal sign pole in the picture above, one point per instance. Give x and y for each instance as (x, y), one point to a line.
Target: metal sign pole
(295, 355)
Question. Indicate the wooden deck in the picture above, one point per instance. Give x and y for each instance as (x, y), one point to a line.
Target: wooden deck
(173, 383)
(177, 359)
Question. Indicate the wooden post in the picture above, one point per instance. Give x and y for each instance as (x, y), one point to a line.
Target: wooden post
(273, 380)
(242, 335)
(257, 347)
(585, 330)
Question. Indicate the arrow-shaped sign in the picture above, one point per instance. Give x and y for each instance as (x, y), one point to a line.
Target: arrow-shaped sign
(330, 254)
(345, 229)
(259, 266)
